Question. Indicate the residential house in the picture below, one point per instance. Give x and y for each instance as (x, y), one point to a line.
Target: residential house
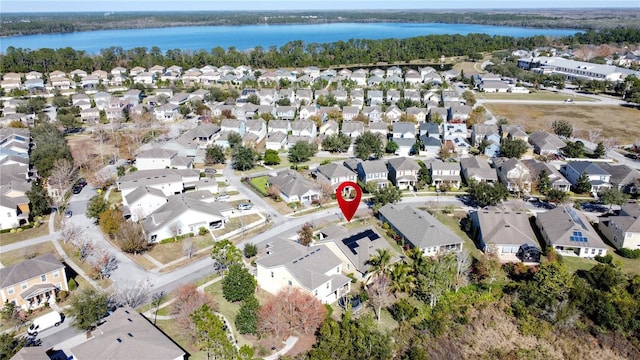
(234, 125)
(504, 231)
(478, 170)
(445, 174)
(458, 113)
(14, 211)
(623, 230)
(431, 146)
(404, 130)
(357, 95)
(354, 247)
(276, 140)
(481, 132)
(556, 179)
(375, 97)
(430, 129)
(374, 113)
(514, 132)
(294, 187)
(393, 95)
(304, 96)
(166, 112)
(622, 177)
(145, 78)
(360, 77)
(513, 174)
(329, 128)
(169, 181)
(143, 201)
(350, 112)
(373, 171)
(545, 143)
(182, 215)
(353, 129)
(159, 158)
(258, 128)
(203, 134)
(418, 229)
(403, 172)
(126, 332)
(392, 114)
(315, 270)
(281, 126)
(412, 78)
(379, 128)
(598, 177)
(569, 232)
(420, 114)
(32, 283)
(334, 174)
(287, 112)
(438, 113)
(304, 128)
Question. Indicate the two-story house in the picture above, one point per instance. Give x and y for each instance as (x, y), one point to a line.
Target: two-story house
(334, 174)
(373, 171)
(513, 174)
(403, 172)
(32, 283)
(623, 230)
(598, 177)
(445, 174)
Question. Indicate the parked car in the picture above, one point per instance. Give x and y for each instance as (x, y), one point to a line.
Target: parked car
(77, 189)
(245, 206)
(68, 213)
(81, 182)
(210, 171)
(222, 196)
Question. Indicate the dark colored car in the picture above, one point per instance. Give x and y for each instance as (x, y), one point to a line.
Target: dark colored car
(81, 182)
(77, 189)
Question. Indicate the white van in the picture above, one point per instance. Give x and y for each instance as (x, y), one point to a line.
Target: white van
(44, 322)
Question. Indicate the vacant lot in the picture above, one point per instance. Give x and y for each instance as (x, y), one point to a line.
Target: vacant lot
(534, 96)
(614, 121)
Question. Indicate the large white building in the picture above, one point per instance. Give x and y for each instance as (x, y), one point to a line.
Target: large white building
(572, 69)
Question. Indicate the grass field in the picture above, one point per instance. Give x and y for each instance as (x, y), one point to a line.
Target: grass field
(536, 96)
(614, 121)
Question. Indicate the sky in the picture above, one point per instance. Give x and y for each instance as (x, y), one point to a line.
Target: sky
(7, 6)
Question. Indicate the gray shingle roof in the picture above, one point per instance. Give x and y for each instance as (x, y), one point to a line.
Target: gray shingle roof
(560, 224)
(505, 227)
(587, 167)
(292, 183)
(28, 269)
(403, 164)
(126, 334)
(419, 228)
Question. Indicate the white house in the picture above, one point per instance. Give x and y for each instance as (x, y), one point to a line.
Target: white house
(569, 232)
(143, 201)
(315, 269)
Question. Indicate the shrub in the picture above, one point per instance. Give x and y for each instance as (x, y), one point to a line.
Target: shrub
(62, 295)
(202, 231)
(250, 250)
(607, 259)
(72, 284)
(629, 254)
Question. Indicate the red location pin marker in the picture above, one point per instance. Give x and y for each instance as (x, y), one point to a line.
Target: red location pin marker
(348, 207)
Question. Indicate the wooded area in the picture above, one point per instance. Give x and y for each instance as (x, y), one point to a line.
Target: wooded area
(298, 54)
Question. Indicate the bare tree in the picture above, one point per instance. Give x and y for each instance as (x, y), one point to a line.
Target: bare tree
(274, 192)
(594, 135)
(189, 248)
(326, 192)
(132, 293)
(463, 266)
(81, 154)
(380, 294)
(62, 175)
(130, 238)
(305, 234)
(70, 233)
(611, 143)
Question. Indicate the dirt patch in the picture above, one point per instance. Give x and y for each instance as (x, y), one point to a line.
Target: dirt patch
(614, 121)
(303, 345)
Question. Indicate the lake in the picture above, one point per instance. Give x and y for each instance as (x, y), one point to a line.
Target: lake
(249, 36)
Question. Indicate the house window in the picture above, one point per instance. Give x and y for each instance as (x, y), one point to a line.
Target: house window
(10, 290)
(272, 274)
(59, 286)
(23, 286)
(327, 285)
(290, 283)
(338, 269)
(56, 274)
(43, 278)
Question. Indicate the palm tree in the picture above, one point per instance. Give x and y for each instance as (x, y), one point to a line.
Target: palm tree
(379, 263)
(401, 278)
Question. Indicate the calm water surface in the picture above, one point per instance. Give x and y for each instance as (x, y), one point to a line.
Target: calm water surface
(249, 36)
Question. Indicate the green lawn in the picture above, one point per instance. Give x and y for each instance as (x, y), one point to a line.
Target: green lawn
(453, 223)
(228, 309)
(41, 230)
(260, 184)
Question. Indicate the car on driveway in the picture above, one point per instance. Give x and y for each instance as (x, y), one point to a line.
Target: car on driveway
(222, 196)
(245, 206)
(77, 189)
(210, 171)
(68, 213)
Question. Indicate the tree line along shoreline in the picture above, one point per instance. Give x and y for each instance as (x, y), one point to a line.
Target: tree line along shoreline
(299, 54)
(46, 23)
